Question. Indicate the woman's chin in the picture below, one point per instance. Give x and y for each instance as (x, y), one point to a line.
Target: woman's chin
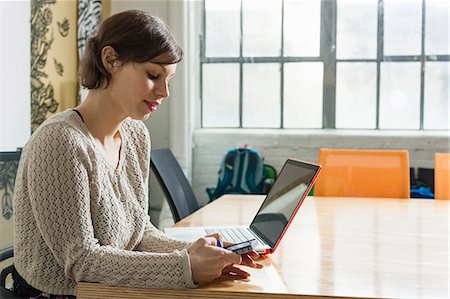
(141, 116)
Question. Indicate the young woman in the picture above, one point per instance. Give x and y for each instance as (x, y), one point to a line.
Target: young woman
(81, 200)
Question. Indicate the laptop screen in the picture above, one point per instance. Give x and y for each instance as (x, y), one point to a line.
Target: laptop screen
(283, 200)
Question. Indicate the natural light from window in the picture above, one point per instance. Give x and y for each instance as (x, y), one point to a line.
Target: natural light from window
(335, 64)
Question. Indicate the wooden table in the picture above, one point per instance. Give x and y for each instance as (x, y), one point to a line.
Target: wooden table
(335, 247)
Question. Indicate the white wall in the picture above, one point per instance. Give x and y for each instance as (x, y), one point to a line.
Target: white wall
(169, 126)
(277, 145)
(15, 101)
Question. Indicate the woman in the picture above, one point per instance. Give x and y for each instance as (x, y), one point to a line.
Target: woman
(81, 191)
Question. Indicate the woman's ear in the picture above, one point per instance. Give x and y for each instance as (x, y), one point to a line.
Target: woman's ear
(110, 59)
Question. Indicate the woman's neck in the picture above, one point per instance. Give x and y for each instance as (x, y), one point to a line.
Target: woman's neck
(100, 116)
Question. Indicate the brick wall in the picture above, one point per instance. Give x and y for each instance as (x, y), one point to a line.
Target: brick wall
(276, 145)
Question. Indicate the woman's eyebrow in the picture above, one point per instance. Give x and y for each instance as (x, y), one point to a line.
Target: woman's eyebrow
(162, 68)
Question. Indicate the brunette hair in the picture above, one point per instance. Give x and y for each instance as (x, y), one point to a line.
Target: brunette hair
(136, 36)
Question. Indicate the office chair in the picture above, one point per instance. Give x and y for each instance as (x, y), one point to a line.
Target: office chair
(363, 173)
(9, 162)
(442, 176)
(176, 188)
(4, 292)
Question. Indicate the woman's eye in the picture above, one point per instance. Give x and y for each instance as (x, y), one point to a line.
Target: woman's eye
(152, 76)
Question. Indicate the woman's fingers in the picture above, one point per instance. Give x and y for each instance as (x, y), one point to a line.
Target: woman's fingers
(208, 261)
(262, 257)
(225, 243)
(235, 273)
(253, 254)
(216, 236)
(232, 257)
(210, 240)
(248, 260)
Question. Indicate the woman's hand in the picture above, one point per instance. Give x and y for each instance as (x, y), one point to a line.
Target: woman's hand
(209, 262)
(248, 258)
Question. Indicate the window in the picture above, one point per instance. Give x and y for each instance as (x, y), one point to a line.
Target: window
(338, 64)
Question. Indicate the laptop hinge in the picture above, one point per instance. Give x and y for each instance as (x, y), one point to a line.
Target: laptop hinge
(260, 238)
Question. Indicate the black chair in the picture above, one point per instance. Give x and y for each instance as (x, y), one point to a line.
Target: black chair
(4, 292)
(9, 162)
(176, 188)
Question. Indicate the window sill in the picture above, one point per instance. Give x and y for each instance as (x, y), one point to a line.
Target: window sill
(322, 132)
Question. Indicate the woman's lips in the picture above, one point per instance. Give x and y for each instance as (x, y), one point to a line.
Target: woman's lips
(152, 106)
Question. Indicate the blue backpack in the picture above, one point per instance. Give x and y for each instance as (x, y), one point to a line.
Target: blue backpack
(242, 171)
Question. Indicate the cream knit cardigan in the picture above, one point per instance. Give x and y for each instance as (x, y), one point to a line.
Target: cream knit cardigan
(79, 219)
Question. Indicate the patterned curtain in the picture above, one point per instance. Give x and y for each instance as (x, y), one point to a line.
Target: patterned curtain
(53, 58)
(89, 17)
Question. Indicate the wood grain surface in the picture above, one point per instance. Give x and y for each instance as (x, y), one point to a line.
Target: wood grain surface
(335, 247)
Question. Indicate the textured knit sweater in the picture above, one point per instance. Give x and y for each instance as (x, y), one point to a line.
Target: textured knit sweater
(79, 219)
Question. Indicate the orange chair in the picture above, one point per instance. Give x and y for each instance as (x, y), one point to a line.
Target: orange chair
(363, 173)
(442, 175)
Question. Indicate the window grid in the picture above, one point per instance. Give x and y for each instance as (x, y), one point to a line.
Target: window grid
(328, 31)
(282, 68)
(422, 66)
(241, 65)
(380, 53)
(328, 57)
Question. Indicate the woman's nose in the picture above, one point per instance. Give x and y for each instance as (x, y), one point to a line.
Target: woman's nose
(162, 90)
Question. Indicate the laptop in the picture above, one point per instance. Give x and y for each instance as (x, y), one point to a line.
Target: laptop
(277, 211)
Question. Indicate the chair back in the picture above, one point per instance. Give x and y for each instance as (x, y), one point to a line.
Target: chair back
(442, 175)
(9, 162)
(363, 173)
(176, 188)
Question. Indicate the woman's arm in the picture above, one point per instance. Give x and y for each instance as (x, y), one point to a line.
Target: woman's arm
(58, 184)
(153, 239)
(156, 241)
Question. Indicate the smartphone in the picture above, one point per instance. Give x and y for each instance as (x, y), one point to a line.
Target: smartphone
(243, 247)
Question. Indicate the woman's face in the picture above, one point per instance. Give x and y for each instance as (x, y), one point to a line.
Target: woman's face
(137, 89)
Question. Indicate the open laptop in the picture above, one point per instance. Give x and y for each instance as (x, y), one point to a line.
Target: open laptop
(275, 214)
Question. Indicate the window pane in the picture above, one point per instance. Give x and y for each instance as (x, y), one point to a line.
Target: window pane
(261, 95)
(400, 95)
(221, 95)
(437, 97)
(356, 90)
(357, 29)
(402, 27)
(222, 28)
(437, 27)
(261, 27)
(301, 28)
(303, 95)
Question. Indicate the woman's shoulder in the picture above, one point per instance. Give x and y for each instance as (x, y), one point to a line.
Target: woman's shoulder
(61, 127)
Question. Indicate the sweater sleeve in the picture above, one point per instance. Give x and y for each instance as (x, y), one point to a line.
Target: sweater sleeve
(58, 184)
(156, 241)
(153, 239)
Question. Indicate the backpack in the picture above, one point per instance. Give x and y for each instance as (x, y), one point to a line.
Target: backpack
(242, 172)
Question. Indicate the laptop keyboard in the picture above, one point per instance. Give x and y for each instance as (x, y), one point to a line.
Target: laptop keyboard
(233, 234)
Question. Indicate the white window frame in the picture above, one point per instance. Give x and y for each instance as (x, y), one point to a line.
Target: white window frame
(328, 58)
